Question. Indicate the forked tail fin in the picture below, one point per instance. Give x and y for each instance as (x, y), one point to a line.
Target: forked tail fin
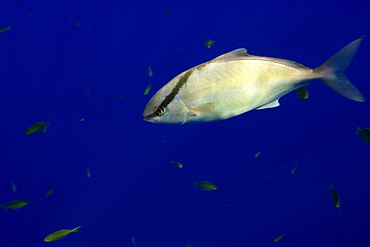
(332, 72)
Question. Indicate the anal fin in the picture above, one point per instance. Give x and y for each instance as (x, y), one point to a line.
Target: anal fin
(272, 104)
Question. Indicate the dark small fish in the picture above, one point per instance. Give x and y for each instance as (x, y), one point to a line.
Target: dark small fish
(15, 204)
(169, 11)
(334, 197)
(339, 213)
(4, 29)
(176, 163)
(59, 234)
(147, 89)
(77, 24)
(49, 192)
(293, 170)
(34, 128)
(150, 71)
(364, 133)
(278, 238)
(14, 187)
(302, 93)
(88, 174)
(209, 43)
(257, 154)
(205, 185)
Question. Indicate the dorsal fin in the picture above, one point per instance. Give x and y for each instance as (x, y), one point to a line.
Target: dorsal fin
(232, 55)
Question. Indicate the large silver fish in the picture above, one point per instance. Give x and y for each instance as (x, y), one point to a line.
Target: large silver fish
(236, 82)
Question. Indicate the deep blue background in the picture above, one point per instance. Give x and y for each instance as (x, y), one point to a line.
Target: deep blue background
(55, 71)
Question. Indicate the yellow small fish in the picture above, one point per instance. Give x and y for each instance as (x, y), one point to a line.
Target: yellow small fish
(209, 43)
(364, 133)
(15, 204)
(205, 185)
(302, 93)
(59, 234)
(278, 238)
(334, 197)
(147, 89)
(176, 163)
(49, 192)
(257, 154)
(4, 29)
(150, 71)
(34, 128)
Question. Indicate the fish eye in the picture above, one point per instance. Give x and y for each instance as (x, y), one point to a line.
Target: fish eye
(159, 110)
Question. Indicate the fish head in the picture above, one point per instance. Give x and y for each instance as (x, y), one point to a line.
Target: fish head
(159, 111)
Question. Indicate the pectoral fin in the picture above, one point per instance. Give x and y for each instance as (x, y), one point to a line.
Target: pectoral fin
(203, 108)
(272, 104)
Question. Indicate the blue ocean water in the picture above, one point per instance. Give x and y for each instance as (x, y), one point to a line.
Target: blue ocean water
(82, 67)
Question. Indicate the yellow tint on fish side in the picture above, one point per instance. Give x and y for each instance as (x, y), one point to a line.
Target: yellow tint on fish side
(59, 234)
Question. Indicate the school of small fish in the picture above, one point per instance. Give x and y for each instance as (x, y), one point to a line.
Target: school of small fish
(200, 95)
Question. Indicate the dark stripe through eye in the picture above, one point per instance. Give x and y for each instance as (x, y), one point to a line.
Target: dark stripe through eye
(176, 89)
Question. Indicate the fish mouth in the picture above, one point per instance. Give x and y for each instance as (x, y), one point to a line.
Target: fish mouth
(152, 118)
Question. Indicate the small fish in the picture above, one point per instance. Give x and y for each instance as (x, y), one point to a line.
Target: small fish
(278, 238)
(237, 82)
(49, 192)
(168, 11)
(15, 204)
(34, 128)
(88, 172)
(150, 71)
(293, 170)
(121, 96)
(257, 154)
(14, 187)
(205, 185)
(176, 163)
(77, 24)
(334, 197)
(133, 241)
(302, 93)
(364, 133)
(209, 43)
(339, 213)
(147, 89)
(29, 14)
(59, 234)
(4, 29)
